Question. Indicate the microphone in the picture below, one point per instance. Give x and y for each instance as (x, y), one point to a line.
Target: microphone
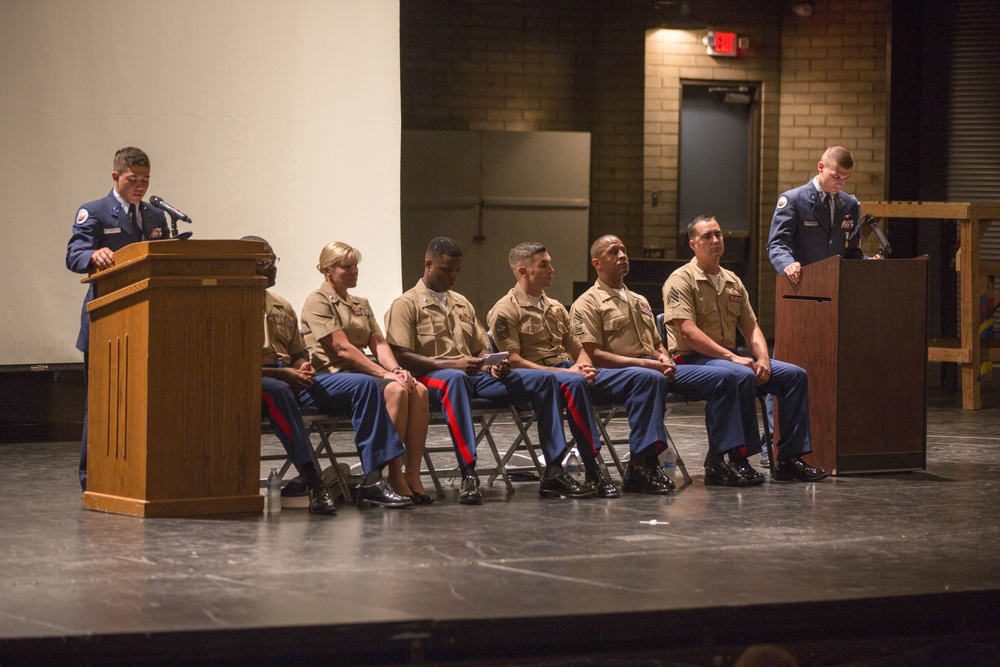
(173, 212)
(883, 243)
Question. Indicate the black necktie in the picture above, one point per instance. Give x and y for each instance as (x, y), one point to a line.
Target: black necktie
(829, 209)
(132, 218)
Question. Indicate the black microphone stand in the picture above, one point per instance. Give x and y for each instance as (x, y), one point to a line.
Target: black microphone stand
(884, 248)
(173, 228)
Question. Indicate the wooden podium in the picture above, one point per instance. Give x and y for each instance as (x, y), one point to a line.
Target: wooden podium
(174, 380)
(859, 329)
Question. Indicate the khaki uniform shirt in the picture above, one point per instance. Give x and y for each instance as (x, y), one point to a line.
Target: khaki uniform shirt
(540, 333)
(601, 316)
(324, 313)
(689, 294)
(417, 322)
(282, 338)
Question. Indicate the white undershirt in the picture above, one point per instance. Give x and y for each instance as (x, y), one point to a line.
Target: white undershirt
(440, 297)
(716, 281)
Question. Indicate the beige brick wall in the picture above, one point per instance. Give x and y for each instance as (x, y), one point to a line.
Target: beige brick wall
(823, 81)
(674, 57)
(563, 65)
(834, 91)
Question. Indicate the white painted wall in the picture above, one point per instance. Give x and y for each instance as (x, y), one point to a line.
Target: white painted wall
(280, 119)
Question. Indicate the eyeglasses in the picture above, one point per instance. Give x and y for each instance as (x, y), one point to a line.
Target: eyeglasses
(267, 263)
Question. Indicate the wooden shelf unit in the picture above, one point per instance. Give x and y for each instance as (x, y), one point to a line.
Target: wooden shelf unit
(974, 219)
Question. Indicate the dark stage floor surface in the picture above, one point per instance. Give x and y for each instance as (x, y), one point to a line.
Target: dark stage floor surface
(895, 568)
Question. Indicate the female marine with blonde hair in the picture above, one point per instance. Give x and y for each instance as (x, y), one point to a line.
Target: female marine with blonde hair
(337, 327)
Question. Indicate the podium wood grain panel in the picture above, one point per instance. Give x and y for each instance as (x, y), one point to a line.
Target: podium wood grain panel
(859, 330)
(175, 380)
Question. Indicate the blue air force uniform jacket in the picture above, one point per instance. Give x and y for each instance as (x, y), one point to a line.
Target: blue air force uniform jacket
(105, 224)
(801, 230)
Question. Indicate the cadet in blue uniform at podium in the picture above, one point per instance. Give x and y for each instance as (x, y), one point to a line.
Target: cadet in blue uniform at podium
(104, 226)
(813, 222)
(816, 220)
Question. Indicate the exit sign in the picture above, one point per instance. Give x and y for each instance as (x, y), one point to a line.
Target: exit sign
(721, 44)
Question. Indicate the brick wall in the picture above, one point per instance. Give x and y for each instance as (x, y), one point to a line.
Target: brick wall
(574, 65)
(534, 65)
(479, 65)
(834, 91)
(823, 81)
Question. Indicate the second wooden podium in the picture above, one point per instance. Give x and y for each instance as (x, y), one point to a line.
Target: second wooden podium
(858, 327)
(174, 386)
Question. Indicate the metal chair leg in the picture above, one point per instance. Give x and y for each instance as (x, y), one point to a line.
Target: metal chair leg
(768, 443)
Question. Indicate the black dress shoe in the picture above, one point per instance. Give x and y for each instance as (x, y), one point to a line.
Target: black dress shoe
(719, 472)
(598, 478)
(563, 485)
(295, 488)
(381, 494)
(794, 469)
(320, 501)
(469, 493)
(667, 479)
(420, 499)
(644, 480)
(744, 468)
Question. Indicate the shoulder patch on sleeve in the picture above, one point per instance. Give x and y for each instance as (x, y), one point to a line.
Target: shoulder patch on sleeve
(82, 216)
(502, 329)
(673, 296)
(782, 201)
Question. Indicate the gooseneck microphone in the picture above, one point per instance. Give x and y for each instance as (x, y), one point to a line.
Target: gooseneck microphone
(173, 212)
(883, 243)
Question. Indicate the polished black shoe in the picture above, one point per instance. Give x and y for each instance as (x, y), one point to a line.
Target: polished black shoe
(420, 499)
(794, 469)
(469, 493)
(295, 488)
(381, 494)
(598, 478)
(644, 480)
(564, 485)
(719, 472)
(744, 468)
(665, 476)
(320, 500)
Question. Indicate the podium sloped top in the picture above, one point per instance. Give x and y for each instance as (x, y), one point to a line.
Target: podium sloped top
(136, 254)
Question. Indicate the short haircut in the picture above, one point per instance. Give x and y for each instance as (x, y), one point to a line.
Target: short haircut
(337, 253)
(523, 252)
(838, 155)
(441, 246)
(595, 247)
(255, 238)
(694, 223)
(128, 157)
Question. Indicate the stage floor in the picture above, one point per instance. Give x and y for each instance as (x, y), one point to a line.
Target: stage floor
(853, 568)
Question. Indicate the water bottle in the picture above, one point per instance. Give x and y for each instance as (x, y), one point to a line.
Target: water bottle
(573, 462)
(669, 460)
(272, 502)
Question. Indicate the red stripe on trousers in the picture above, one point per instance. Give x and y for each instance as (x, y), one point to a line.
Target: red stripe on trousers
(276, 416)
(572, 410)
(453, 424)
